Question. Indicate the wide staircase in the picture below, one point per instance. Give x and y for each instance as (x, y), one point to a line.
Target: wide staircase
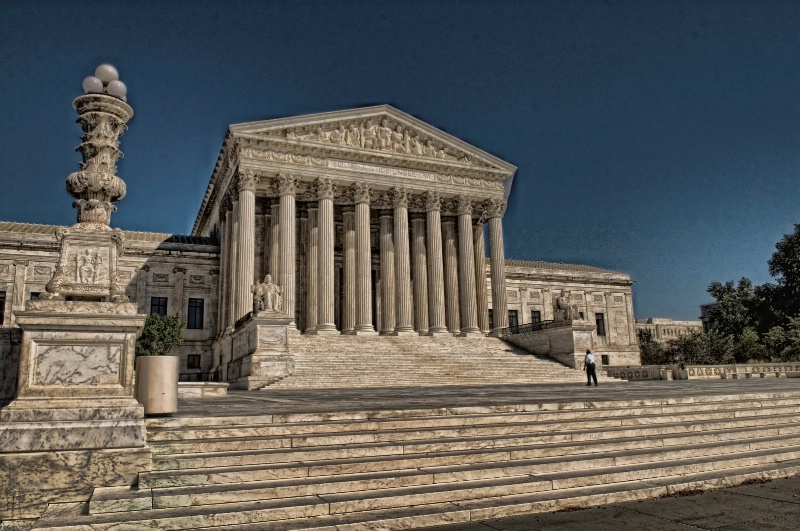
(406, 468)
(386, 361)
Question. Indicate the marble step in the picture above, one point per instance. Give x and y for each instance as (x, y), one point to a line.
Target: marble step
(572, 472)
(370, 492)
(594, 429)
(622, 407)
(534, 445)
(641, 415)
(620, 452)
(489, 503)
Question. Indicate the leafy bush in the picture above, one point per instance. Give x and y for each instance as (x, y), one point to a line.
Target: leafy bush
(160, 335)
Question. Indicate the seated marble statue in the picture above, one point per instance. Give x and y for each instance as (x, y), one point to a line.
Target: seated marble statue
(267, 296)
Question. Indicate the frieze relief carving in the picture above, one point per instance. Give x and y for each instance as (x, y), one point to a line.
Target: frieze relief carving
(386, 135)
(618, 299)
(41, 270)
(4, 269)
(321, 162)
(196, 279)
(160, 277)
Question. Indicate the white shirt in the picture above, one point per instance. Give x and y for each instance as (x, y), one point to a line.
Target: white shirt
(589, 358)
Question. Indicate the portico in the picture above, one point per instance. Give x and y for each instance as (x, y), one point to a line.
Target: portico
(368, 229)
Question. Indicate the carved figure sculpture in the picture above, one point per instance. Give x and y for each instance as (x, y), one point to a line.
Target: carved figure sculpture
(84, 267)
(337, 135)
(563, 310)
(385, 135)
(353, 136)
(267, 296)
(369, 135)
(429, 150)
(398, 145)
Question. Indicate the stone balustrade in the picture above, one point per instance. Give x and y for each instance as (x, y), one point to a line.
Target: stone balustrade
(725, 371)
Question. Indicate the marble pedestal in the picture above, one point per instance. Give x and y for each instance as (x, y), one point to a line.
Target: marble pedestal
(564, 341)
(260, 351)
(74, 424)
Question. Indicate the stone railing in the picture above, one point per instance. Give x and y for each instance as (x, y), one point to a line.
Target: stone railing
(530, 327)
(730, 371)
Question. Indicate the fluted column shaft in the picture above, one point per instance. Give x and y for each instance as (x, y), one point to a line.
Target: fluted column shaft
(325, 266)
(233, 281)
(466, 273)
(287, 188)
(498, 267)
(420, 275)
(480, 278)
(402, 264)
(275, 242)
(245, 241)
(349, 264)
(436, 302)
(452, 313)
(387, 274)
(361, 195)
(312, 261)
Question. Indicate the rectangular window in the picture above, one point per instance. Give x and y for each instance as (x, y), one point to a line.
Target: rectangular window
(580, 316)
(491, 320)
(193, 361)
(512, 318)
(158, 305)
(600, 321)
(2, 306)
(536, 316)
(604, 359)
(195, 314)
(35, 295)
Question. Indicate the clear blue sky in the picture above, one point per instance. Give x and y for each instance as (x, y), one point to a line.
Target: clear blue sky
(661, 139)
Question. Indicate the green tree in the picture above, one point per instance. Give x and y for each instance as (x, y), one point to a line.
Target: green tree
(735, 309)
(699, 348)
(784, 265)
(748, 349)
(652, 351)
(160, 335)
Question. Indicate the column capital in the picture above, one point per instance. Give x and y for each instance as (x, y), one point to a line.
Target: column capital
(493, 208)
(433, 201)
(464, 205)
(362, 192)
(399, 196)
(23, 263)
(226, 203)
(247, 180)
(287, 184)
(323, 188)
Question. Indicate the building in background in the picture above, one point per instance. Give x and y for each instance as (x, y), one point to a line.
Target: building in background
(667, 329)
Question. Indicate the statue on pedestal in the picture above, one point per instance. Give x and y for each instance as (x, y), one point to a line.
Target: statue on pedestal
(563, 310)
(267, 296)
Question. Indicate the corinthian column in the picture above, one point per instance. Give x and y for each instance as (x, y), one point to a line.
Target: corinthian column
(480, 278)
(494, 209)
(312, 261)
(452, 315)
(361, 196)
(287, 188)
(349, 264)
(466, 269)
(433, 205)
(402, 264)
(387, 274)
(324, 188)
(245, 240)
(233, 280)
(420, 274)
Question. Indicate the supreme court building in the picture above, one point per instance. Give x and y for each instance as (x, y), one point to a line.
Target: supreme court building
(371, 221)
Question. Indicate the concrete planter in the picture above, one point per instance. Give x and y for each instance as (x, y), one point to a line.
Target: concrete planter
(157, 384)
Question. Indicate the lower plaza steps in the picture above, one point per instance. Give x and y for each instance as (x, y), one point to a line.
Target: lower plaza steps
(368, 469)
(387, 361)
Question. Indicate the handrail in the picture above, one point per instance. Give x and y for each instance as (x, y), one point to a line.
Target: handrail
(242, 320)
(523, 329)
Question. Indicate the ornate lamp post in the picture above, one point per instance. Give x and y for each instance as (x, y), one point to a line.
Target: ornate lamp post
(102, 113)
(87, 268)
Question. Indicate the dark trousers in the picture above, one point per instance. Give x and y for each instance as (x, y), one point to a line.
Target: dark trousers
(591, 373)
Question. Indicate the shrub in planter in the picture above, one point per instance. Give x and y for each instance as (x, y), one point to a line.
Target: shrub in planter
(156, 370)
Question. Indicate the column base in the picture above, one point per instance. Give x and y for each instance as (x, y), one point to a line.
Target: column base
(495, 332)
(422, 332)
(322, 332)
(470, 333)
(438, 332)
(347, 332)
(366, 332)
(404, 333)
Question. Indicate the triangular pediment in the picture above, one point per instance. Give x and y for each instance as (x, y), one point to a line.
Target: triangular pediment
(381, 129)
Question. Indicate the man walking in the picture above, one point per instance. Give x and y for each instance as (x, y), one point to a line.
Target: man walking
(591, 368)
